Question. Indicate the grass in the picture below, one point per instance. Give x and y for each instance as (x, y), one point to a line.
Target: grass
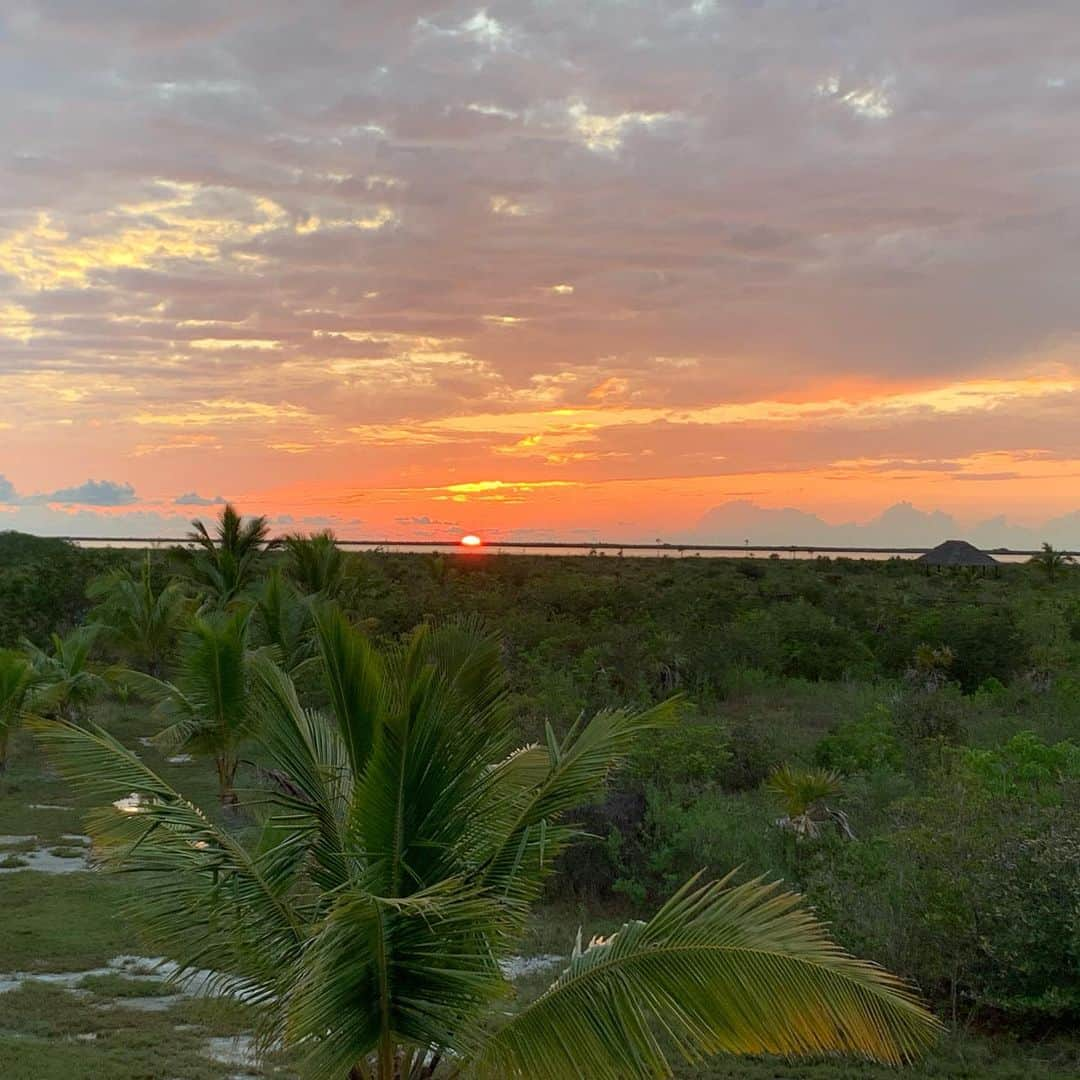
(47, 1033)
(79, 921)
(65, 922)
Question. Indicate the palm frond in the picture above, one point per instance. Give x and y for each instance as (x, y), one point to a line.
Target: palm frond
(740, 969)
(211, 902)
(310, 752)
(385, 972)
(282, 619)
(316, 563)
(354, 680)
(526, 840)
(800, 788)
(18, 680)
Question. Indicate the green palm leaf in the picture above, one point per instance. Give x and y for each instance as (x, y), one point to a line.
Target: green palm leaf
(211, 900)
(311, 754)
(386, 972)
(355, 681)
(525, 836)
(720, 968)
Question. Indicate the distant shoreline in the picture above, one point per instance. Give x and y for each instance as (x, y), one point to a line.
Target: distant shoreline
(568, 547)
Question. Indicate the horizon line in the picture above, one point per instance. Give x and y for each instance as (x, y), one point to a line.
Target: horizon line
(598, 545)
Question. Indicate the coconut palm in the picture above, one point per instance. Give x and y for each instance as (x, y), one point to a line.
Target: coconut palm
(17, 682)
(221, 566)
(208, 705)
(404, 848)
(66, 680)
(139, 620)
(316, 564)
(281, 619)
(1051, 561)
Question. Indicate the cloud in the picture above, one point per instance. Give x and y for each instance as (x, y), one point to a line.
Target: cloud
(902, 525)
(193, 498)
(94, 493)
(237, 247)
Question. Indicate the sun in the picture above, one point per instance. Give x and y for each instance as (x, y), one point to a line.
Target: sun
(471, 540)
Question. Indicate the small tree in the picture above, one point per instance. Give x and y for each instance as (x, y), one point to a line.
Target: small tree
(316, 564)
(931, 667)
(1051, 561)
(222, 566)
(281, 619)
(140, 621)
(802, 793)
(66, 680)
(209, 703)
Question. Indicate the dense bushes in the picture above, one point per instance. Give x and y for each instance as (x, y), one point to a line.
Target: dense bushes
(973, 890)
(43, 585)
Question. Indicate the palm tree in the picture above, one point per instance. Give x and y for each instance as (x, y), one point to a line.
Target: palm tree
(139, 620)
(222, 566)
(208, 706)
(66, 681)
(281, 620)
(802, 793)
(930, 667)
(17, 682)
(1051, 561)
(405, 847)
(316, 563)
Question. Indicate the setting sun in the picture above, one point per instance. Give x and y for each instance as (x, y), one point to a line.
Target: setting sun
(471, 540)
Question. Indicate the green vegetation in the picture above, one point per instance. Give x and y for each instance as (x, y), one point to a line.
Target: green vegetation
(901, 747)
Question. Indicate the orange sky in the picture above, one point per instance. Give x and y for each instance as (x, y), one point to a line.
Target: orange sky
(533, 269)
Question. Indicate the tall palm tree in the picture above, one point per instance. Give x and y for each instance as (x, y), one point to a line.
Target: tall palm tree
(208, 705)
(17, 682)
(221, 566)
(1051, 561)
(66, 680)
(138, 619)
(407, 844)
(316, 564)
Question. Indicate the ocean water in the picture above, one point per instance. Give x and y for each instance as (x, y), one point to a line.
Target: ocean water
(600, 549)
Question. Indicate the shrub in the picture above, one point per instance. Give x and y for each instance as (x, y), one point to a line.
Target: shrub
(861, 746)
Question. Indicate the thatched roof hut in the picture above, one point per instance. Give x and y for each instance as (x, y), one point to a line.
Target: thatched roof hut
(957, 553)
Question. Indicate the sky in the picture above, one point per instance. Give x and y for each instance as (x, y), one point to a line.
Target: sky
(782, 270)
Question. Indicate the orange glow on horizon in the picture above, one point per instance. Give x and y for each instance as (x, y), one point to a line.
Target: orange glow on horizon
(471, 540)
